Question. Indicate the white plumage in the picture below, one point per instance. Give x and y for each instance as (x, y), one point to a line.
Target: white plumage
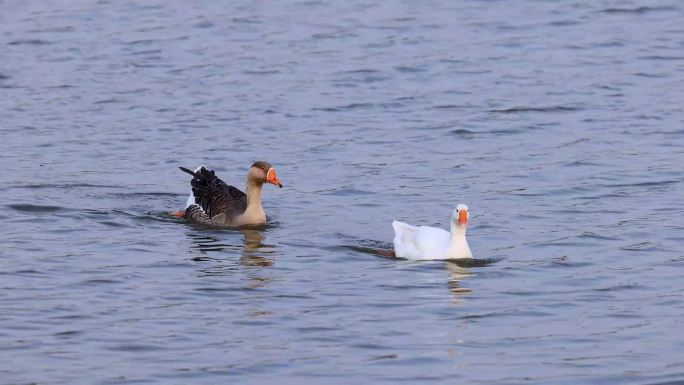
(191, 198)
(424, 242)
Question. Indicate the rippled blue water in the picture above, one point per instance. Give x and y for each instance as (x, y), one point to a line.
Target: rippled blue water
(560, 123)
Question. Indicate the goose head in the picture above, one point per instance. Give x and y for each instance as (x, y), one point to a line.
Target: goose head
(262, 172)
(460, 215)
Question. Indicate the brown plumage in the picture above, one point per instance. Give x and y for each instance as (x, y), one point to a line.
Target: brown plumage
(262, 165)
(219, 204)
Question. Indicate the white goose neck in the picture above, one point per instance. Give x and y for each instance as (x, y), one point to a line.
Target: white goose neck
(458, 231)
(458, 245)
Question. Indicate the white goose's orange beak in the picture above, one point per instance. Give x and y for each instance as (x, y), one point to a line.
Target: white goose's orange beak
(272, 178)
(462, 217)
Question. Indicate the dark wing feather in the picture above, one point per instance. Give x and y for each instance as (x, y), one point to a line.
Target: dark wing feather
(216, 197)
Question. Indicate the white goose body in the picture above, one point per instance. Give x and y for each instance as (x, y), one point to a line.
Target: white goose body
(424, 242)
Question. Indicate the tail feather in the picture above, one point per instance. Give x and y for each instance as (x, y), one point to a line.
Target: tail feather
(203, 182)
(190, 201)
(188, 171)
(196, 175)
(403, 230)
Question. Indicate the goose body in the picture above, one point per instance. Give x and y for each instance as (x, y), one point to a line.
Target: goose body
(213, 202)
(425, 242)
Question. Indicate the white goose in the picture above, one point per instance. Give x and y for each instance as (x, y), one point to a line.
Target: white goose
(424, 242)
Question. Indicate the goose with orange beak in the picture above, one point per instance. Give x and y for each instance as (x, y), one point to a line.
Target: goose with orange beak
(213, 202)
(424, 242)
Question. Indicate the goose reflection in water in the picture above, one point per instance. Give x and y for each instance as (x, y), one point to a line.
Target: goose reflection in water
(458, 269)
(252, 247)
(457, 274)
(253, 252)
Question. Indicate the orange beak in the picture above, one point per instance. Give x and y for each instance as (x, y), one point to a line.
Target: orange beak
(463, 217)
(272, 178)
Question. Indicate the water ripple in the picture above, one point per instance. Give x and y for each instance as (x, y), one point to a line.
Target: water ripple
(560, 125)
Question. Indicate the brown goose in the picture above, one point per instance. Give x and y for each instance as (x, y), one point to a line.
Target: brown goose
(214, 203)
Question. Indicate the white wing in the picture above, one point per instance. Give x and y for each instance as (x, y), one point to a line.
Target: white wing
(431, 242)
(404, 246)
(422, 242)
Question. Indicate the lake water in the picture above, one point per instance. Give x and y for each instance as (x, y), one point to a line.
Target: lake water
(560, 124)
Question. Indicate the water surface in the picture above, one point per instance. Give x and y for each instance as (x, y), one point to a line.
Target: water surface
(559, 123)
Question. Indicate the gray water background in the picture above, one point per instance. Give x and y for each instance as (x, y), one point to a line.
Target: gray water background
(560, 123)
